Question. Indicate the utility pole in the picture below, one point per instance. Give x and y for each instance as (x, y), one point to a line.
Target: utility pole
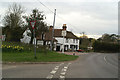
(63, 44)
(52, 42)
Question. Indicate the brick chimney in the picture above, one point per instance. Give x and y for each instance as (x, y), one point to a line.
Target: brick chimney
(51, 27)
(64, 27)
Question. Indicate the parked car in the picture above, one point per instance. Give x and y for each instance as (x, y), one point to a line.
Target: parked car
(80, 50)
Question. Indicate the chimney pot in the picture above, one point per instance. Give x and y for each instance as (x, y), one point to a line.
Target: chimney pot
(51, 27)
(64, 26)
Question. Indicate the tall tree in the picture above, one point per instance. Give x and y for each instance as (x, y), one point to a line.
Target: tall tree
(40, 27)
(109, 38)
(13, 23)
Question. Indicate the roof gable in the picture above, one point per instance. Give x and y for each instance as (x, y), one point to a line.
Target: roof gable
(58, 33)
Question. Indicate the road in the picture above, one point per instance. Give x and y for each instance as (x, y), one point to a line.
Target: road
(89, 65)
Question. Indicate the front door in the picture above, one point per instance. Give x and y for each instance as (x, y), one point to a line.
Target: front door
(58, 48)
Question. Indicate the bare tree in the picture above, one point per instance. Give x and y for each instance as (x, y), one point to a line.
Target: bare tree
(13, 23)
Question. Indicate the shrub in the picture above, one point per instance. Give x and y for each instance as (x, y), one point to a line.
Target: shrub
(105, 47)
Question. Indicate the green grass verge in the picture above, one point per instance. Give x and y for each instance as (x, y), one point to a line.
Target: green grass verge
(41, 57)
(27, 54)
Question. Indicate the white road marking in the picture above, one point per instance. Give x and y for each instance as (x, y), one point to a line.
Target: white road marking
(52, 73)
(62, 77)
(105, 59)
(49, 76)
(63, 72)
(56, 68)
(64, 69)
(108, 62)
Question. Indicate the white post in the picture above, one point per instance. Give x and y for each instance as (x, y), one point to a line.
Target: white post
(63, 34)
(34, 45)
(63, 45)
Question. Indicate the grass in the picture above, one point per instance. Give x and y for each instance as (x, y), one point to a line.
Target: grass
(27, 55)
(41, 57)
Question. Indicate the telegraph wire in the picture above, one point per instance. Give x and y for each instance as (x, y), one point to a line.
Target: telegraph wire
(56, 15)
(45, 6)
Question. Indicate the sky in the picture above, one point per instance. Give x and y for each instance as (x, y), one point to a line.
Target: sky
(94, 17)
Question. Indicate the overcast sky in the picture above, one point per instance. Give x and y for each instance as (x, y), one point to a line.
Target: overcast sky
(94, 17)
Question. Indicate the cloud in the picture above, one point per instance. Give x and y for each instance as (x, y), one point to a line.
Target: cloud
(91, 16)
(60, 0)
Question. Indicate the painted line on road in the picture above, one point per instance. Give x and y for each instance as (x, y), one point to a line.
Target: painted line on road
(49, 77)
(52, 73)
(105, 59)
(62, 77)
(108, 62)
(63, 72)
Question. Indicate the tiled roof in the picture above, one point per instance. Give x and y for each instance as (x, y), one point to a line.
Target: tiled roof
(57, 33)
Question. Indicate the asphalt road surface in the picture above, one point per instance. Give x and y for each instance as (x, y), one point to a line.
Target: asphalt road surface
(89, 65)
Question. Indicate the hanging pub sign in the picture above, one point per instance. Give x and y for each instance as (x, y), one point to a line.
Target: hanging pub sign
(64, 33)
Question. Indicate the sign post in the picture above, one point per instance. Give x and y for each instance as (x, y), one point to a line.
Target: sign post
(32, 23)
(63, 34)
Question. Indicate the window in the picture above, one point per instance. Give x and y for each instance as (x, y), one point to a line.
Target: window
(73, 40)
(76, 40)
(67, 40)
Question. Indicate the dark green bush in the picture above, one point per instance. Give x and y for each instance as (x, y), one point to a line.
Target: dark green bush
(106, 47)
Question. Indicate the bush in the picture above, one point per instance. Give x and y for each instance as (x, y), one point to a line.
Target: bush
(105, 47)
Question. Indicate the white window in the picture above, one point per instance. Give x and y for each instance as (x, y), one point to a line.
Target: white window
(67, 40)
(73, 40)
(76, 40)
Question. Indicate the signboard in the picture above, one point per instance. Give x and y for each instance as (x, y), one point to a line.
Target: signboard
(40, 42)
(64, 33)
(32, 23)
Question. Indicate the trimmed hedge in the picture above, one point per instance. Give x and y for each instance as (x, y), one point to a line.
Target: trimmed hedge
(106, 47)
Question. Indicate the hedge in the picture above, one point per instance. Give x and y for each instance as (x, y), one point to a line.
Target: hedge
(106, 47)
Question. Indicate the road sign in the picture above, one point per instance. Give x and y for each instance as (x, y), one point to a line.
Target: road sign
(32, 23)
(63, 32)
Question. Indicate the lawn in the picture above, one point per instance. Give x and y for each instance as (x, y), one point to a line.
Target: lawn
(41, 57)
(20, 53)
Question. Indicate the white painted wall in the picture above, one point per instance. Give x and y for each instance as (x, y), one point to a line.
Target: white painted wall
(70, 41)
(59, 39)
(26, 38)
